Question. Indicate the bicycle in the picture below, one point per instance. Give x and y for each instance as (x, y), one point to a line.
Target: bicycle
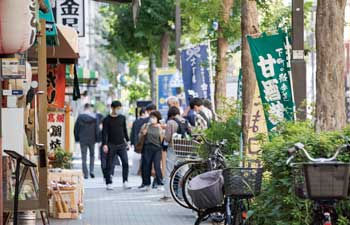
(325, 181)
(215, 161)
(240, 184)
(186, 152)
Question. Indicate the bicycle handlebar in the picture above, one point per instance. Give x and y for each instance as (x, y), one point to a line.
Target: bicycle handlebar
(218, 144)
(300, 146)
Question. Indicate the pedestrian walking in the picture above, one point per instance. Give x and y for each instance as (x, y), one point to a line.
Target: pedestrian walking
(114, 140)
(152, 149)
(176, 124)
(86, 132)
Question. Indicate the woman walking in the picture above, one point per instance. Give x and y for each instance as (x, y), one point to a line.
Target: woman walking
(152, 149)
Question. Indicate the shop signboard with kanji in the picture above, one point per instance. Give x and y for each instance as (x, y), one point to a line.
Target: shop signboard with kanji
(195, 72)
(71, 13)
(56, 85)
(271, 59)
(164, 89)
(56, 130)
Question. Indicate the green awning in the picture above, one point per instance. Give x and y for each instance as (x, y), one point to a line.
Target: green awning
(84, 74)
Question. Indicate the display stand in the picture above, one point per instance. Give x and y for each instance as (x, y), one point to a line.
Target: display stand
(20, 178)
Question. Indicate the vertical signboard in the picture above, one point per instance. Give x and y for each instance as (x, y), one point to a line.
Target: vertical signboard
(195, 72)
(56, 130)
(71, 13)
(271, 59)
(164, 89)
(257, 125)
(56, 85)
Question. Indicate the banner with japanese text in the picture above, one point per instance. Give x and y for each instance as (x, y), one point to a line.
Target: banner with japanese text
(257, 126)
(164, 89)
(71, 13)
(56, 85)
(271, 59)
(196, 72)
(56, 130)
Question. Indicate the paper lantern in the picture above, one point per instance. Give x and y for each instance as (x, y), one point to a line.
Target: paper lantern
(17, 25)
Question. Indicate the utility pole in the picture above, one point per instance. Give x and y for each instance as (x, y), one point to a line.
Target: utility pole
(298, 61)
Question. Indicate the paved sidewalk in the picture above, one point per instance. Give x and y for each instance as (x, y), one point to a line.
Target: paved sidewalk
(127, 207)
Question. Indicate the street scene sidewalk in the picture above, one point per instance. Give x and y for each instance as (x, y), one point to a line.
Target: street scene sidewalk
(127, 207)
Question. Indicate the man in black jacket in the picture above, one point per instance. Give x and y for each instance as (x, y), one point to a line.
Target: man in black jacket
(86, 133)
(114, 141)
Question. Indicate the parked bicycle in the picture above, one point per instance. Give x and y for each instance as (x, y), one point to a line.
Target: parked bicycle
(241, 184)
(325, 181)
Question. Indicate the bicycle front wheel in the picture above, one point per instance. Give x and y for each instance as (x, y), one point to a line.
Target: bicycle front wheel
(176, 182)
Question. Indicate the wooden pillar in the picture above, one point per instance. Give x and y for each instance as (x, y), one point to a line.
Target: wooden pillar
(42, 114)
(1, 178)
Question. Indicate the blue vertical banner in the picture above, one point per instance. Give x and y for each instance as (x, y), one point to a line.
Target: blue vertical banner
(164, 89)
(195, 72)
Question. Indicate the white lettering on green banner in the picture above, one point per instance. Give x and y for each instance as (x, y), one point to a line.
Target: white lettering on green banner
(271, 59)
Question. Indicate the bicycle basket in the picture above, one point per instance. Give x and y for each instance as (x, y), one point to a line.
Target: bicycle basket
(206, 189)
(327, 180)
(184, 148)
(242, 182)
(299, 183)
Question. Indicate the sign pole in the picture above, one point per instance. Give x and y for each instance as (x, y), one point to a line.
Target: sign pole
(298, 61)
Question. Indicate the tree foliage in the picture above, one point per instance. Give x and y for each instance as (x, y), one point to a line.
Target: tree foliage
(125, 39)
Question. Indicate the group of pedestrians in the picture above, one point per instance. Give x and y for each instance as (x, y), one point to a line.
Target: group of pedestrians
(150, 128)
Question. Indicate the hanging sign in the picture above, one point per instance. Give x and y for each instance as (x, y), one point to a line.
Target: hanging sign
(164, 89)
(56, 130)
(51, 29)
(271, 59)
(71, 13)
(56, 85)
(195, 72)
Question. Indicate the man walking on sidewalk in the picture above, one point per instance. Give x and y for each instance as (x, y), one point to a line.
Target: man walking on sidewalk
(86, 133)
(114, 140)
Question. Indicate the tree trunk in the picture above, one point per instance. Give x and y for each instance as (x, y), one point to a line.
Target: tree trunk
(152, 76)
(164, 50)
(221, 67)
(330, 96)
(221, 70)
(249, 24)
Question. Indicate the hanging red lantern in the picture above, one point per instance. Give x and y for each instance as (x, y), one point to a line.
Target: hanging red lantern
(17, 25)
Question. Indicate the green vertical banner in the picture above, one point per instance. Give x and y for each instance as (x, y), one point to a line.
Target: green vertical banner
(271, 59)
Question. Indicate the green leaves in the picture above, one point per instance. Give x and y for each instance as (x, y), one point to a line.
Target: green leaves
(277, 202)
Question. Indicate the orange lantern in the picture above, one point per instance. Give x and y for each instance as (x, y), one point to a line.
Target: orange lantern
(17, 25)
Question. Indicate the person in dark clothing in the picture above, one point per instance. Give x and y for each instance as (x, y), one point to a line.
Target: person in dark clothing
(114, 141)
(136, 126)
(152, 149)
(86, 132)
(135, 132)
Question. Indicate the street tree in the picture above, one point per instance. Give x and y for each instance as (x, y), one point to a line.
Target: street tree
(216, 20)
(330, 95)
(150, 36)
(249, 26)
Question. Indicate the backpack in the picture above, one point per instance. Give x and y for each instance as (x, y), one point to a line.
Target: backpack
(183, 128)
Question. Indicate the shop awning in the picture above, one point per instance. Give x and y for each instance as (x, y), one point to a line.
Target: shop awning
(85, 76)
(67, 48)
